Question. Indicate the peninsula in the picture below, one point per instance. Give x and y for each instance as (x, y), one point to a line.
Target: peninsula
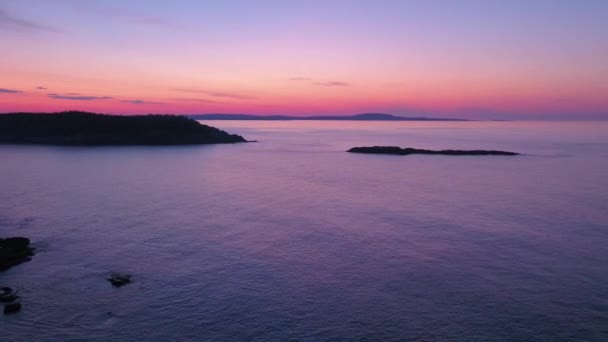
(396, 150)
(89, 129)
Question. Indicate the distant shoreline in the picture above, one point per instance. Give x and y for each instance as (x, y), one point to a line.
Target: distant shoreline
(358, 117)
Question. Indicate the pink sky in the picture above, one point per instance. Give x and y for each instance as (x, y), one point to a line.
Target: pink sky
(468, 59)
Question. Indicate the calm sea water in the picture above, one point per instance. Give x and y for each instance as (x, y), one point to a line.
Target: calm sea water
(292, 238)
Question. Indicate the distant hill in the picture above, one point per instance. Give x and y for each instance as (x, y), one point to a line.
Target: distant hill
(81, 128)
(358, 117)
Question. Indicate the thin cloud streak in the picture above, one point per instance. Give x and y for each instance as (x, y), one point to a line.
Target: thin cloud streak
(332, 84)
(141, 102)
(78, 98)
(10, 91)
(11, 22)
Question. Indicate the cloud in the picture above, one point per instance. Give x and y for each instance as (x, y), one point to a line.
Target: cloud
(140, 102)
(78, 98)
(12, 22)
(41, 88)
(216, 94)
(332, 84)
(9, 91)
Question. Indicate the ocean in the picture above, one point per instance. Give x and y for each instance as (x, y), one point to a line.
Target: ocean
(292, 238)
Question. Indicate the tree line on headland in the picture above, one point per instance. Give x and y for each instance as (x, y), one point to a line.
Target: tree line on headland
(82, 128)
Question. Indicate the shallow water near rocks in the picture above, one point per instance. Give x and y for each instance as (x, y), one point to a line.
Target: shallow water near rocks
(293, 238)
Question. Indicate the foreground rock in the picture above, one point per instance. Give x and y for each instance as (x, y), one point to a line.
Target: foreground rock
(13, 251)
(396, 150)
(88, 129)
(119, 279)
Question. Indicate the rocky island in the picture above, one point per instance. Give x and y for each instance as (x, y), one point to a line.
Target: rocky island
(119, 279)
(89, 129)
(396, 150)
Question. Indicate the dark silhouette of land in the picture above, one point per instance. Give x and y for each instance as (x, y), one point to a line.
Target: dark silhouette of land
(358, 117)
(396, 150)
(89, 129)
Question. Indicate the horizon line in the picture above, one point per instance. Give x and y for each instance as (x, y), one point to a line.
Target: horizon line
(310, 117)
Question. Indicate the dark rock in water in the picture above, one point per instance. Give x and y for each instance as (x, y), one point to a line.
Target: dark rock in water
(88, 129)
(11, 308)
(7, 295)
(119, 279)
(396, 150)
(14, 251)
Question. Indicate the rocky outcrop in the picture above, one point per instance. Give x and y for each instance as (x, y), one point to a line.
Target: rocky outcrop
(13, 251)
(396, 150)
(119, 279)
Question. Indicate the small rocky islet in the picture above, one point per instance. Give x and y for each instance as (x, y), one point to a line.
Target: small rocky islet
(396, 150)
(119, 279)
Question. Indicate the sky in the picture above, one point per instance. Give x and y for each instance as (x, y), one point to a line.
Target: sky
(513, 59)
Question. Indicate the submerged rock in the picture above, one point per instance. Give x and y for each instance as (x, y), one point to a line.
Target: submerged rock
(396, 150)
(12, 308)
(13, 251)
(119, 279)
(7, 295)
